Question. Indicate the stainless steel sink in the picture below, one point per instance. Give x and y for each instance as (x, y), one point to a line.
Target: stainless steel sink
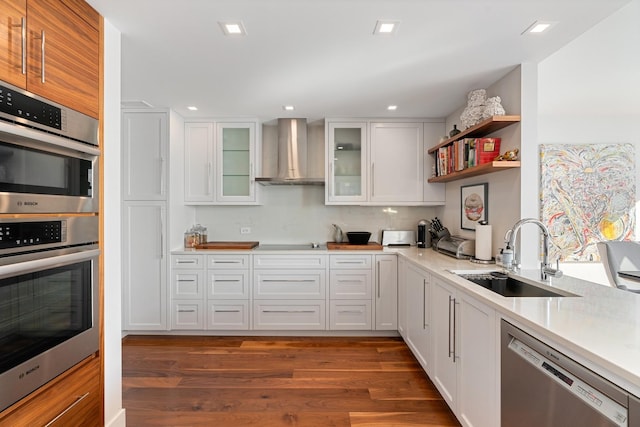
(509, 286)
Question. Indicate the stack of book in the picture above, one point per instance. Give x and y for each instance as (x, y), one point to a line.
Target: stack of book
(466, 153)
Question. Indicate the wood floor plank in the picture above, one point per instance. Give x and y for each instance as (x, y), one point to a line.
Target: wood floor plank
(277, 381)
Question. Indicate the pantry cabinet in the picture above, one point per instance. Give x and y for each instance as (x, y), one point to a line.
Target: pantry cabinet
(145, 160)
(379, 163)
(52, 48)
(464, 355)
(220, 163)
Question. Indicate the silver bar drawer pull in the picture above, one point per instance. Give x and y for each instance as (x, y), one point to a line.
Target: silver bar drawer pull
(226, 280)
(289, 280)
(288, 311)
(226, 262)
(186, 311)
(350, 311)
(226, 311)
(186, 280)
(70, 407)
(186, 261)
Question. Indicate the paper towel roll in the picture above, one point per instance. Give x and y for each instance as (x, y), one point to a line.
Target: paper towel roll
(483, 242)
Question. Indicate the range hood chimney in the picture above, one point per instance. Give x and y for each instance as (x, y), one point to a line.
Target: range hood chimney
(291, 156)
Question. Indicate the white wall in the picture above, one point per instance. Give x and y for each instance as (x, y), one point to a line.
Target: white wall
(504, 187)
(113, 411)
(589, 92)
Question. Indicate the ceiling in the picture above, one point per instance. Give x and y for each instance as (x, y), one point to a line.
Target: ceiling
(322, 57)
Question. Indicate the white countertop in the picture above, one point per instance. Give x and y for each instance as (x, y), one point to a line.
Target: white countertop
(600, 328)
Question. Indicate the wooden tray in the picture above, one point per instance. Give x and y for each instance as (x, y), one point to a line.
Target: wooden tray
(227, 245)
(371, 246)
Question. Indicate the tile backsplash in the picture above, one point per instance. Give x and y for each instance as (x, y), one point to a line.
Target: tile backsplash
(297, 214)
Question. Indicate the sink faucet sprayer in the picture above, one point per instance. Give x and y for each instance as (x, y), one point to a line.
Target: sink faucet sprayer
(509, 260)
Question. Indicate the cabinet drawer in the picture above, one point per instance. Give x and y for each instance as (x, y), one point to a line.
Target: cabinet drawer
(349, 261)
(187, 284)
(228, 284)
(228, 314)
(187, 261)
(292, 284)
(224, 261)
(350, 284)
(289, 261)
(79, 405)
(187, 314)
(282, 314)
(350, 315)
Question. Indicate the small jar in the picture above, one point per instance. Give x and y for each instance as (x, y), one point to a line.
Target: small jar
(190, 239)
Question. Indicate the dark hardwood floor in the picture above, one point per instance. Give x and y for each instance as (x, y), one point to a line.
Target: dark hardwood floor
(277, 381)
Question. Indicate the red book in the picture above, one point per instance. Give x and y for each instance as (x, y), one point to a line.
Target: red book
(487, 149)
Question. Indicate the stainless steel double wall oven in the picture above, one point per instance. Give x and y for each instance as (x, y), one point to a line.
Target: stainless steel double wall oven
(49, 253)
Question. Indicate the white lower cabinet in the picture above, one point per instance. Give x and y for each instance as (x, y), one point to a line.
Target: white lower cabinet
(289, 315)
(464, 354)
(386, 292)
(289, 292)
(210, 292)
(187, 292)
(350, 292)
(228, 314)
(417, 309)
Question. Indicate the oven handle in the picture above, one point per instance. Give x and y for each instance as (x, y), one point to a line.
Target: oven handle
(16, 269)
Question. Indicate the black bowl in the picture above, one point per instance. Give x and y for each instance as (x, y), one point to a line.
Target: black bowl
(358, 237)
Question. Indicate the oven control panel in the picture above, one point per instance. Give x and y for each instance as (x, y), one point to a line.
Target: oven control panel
(24, 234)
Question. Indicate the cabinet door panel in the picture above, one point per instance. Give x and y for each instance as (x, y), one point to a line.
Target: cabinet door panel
(144, 294)
(12, 41)
(235, 148)
(386, 292)
(199, 183)
(70, 75)
(396, 153)
(444, 339)
(346, 163)
(145, 146)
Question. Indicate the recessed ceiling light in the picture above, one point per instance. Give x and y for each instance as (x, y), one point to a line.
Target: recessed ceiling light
(392, 107)
(386, 27)
(192, 108)
(288, 107)
(539, 27)
(232, 28)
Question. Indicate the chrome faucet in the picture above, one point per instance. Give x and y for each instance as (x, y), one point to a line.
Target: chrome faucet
(510, 237)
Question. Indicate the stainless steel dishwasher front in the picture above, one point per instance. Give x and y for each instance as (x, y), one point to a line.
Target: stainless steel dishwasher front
(542, 387)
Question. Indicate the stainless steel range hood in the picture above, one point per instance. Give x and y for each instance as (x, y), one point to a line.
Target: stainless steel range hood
(290, 156)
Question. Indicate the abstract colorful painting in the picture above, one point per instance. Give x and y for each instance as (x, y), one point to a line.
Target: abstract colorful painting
(587, 195)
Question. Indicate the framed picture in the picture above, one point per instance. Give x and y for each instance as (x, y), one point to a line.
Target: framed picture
(473, 205)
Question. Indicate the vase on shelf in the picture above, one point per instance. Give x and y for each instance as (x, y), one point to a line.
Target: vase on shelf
(454, 131)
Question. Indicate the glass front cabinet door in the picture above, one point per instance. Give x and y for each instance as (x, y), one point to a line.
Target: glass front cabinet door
(235, 152)
(346, 155)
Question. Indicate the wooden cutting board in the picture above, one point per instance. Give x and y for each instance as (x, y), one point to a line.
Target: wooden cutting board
(371, 246)
(227, 245)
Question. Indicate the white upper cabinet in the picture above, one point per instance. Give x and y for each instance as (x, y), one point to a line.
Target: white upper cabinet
(346, 163)
(380, 163)
(198, 162)
(396, 162)
(145, 146)
(220, 161)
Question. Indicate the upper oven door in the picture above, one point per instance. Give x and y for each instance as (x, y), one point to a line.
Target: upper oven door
(43, 173)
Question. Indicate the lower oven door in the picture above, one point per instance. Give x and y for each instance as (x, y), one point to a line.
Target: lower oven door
(49, 318)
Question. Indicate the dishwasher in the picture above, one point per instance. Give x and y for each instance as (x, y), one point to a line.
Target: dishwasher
(542, 387)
